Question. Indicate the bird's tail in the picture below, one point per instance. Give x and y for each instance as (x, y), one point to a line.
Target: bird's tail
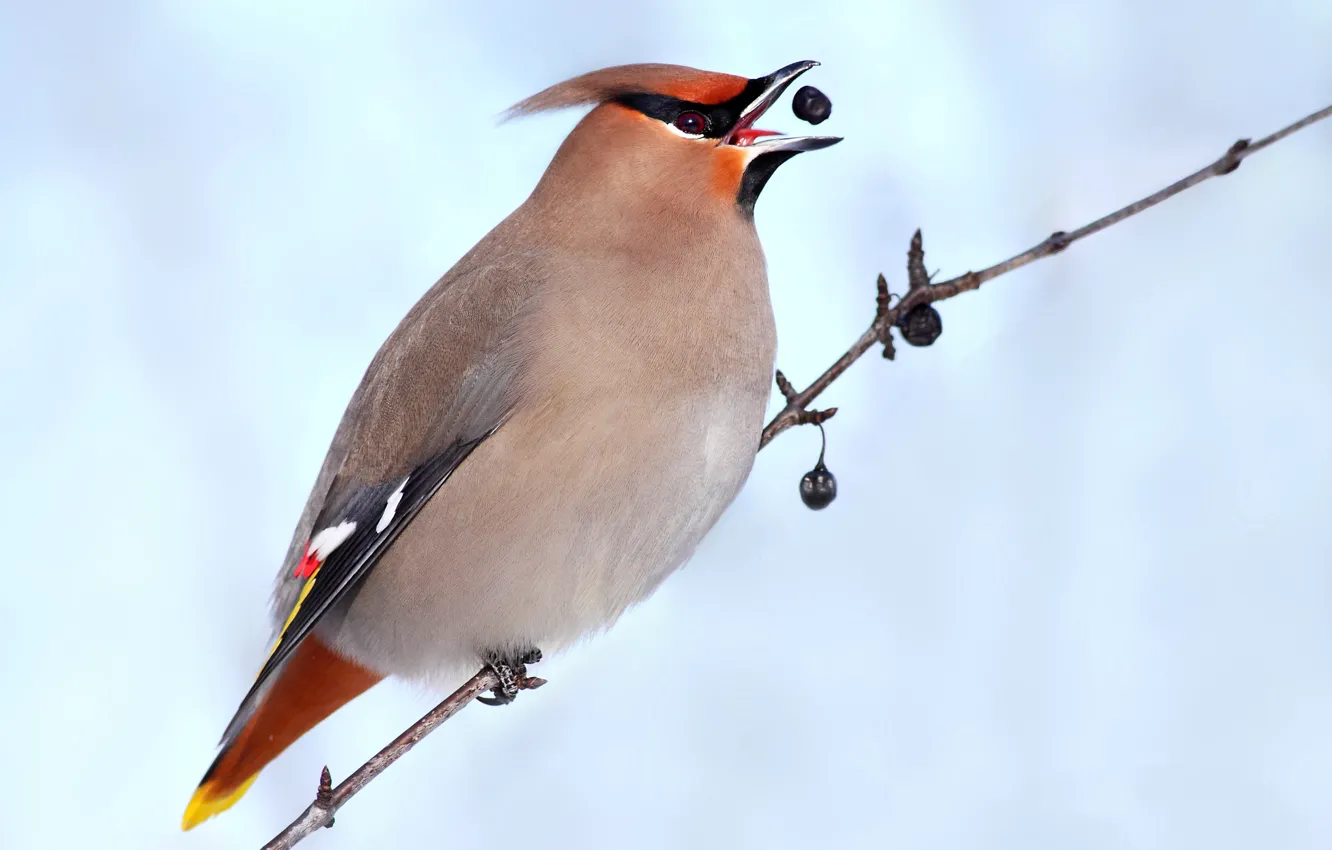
(311, 686)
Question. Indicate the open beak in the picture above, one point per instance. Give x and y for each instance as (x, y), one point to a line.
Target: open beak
(744, 134)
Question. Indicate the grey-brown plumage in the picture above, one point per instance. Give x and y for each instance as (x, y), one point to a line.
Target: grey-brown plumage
(610, 345)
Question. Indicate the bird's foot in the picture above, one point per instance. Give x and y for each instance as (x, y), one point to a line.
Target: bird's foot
(512, 674)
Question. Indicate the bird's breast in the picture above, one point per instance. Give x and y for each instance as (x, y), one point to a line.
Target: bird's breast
(578, 507)
(637, 416)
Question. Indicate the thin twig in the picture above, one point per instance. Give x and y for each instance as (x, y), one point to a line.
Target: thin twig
(321, 811)
(921, 291)
(886, 317)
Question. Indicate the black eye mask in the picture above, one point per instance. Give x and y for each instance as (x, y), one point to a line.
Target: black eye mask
(719, 117)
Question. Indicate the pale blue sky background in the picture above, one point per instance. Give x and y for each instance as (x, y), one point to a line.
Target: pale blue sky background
(1076, 591)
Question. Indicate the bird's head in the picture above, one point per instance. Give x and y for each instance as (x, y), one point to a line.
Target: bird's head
(673, 133)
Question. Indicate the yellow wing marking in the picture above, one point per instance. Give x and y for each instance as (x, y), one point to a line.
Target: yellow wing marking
(295, 609)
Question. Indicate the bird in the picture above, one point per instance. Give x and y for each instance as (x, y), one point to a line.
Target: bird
(552, 428)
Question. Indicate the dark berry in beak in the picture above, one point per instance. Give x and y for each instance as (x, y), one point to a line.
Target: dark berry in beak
(811, 105)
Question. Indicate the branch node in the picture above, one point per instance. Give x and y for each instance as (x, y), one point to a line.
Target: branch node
(784, 387)
(324, 794)
(916, 274)
(1232, 158)
(882, 298)
(1057, 242)
(815, 417)
(883, 318)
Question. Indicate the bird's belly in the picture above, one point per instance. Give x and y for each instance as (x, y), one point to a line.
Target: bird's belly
(551, 529)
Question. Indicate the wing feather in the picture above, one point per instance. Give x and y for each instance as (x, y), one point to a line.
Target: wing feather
(353, 558)
(442, 382)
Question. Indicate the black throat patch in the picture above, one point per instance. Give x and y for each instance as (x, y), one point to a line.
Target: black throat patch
(756, 176)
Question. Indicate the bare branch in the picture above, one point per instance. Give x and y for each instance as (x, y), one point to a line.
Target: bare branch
(328, 801)
(885, 318)
(920, 292)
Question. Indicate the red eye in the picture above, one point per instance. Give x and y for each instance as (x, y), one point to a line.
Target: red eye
(691, 123)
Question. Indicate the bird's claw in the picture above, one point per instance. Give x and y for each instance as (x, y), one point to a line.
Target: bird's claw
(507, 689)
(512, 675)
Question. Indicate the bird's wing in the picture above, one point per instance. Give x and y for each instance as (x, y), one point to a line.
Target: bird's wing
(439, 386)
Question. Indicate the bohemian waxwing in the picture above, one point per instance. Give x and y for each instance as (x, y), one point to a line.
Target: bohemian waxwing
(552, 428)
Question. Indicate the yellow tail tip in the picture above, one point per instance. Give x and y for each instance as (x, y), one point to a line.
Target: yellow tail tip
(207, 802)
